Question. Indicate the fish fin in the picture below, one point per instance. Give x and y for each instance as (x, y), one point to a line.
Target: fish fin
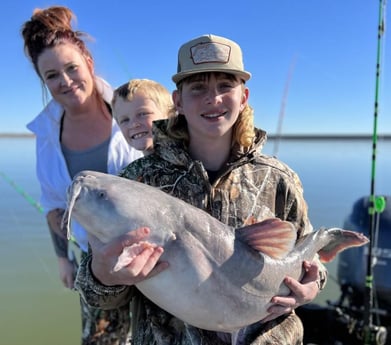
(129, 253)
(273, 237)
(343, 239)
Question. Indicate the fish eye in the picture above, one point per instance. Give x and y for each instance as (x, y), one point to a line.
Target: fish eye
(101, 194)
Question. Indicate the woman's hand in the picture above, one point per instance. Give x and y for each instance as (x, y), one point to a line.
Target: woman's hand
(66, 269)
(54, 219)
(301, 292)
(143, 264)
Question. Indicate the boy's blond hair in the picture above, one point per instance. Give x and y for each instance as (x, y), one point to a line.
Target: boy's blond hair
(151, 89)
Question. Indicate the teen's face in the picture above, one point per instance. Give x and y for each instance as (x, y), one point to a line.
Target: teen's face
(211, 105)
(135, 119)
(67, 74)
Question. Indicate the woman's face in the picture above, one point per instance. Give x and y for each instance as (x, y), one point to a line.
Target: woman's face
(67, 74)
(211, 104)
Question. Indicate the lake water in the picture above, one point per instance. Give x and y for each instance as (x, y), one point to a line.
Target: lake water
(37, 310)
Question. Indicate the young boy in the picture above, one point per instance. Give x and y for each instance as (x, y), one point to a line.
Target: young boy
(208, 155)
(136, 105)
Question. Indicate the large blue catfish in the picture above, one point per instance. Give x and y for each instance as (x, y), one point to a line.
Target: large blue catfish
(219, 278)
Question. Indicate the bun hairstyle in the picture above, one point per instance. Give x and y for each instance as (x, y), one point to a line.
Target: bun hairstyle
(49, 27)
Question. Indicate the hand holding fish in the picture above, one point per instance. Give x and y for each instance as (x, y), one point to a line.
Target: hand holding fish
(66, 270)
(54, 219)
(302, 292)
(142, 264)
(66, 267)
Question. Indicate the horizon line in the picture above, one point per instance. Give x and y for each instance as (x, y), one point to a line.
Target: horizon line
(287, 136)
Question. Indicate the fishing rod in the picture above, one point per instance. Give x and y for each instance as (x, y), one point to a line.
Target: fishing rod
(373, 334)
(26, 196)
(282, 108)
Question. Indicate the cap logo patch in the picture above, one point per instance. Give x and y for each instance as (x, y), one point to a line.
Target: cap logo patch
(210, 52)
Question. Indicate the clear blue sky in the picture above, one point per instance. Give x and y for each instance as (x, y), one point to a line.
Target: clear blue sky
(328, 48)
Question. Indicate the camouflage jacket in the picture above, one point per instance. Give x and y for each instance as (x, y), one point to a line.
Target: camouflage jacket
(250, 187)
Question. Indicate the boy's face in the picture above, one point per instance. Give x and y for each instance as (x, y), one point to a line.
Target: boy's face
(211, 104)
(135, 119)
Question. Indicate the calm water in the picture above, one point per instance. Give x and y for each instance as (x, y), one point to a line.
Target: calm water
(37, 310)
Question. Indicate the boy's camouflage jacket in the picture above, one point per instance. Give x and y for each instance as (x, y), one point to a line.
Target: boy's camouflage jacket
(249, 188)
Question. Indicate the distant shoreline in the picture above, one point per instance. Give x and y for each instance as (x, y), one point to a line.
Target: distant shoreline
(270, 136)
(17, 135)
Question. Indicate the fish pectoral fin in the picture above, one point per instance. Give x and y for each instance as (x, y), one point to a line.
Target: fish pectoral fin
(273, 237)
(129, 253)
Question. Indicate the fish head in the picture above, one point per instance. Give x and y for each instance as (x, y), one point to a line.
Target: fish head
(99, 205)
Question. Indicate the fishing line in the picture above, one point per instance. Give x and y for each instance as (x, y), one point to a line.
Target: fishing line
(377, 203)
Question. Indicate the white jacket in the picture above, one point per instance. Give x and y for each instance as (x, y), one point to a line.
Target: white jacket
(51, 168)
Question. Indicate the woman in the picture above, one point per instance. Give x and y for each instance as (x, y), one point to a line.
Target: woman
(208, 155)
(74, 132)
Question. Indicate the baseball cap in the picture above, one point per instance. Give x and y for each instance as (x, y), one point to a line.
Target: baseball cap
(210, 53)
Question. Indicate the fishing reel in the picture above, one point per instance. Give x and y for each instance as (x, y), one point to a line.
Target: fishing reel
(374, 335)
(350, 318)
(351, 330)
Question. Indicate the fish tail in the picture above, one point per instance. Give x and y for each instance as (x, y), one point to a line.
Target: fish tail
(339, 241)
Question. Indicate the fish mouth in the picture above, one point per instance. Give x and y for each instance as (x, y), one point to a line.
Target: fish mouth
(73, 195)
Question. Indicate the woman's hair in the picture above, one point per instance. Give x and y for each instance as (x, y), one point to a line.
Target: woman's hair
(48, 28)
(243, 131)
(151, 89)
